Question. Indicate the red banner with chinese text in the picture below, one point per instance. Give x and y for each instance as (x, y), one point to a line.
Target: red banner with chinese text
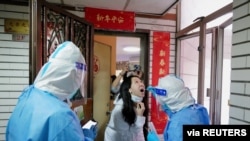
(110, 19)
(160, 65)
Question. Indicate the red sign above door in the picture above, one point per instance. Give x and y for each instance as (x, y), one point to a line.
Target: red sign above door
(110, 19)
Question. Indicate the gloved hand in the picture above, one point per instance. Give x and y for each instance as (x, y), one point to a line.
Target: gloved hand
(90, 133)
(152, 136)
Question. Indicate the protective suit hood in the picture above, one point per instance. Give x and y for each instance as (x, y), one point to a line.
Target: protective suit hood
(64, 72)
(172, 93)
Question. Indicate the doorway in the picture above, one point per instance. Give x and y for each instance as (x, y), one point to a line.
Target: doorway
(114, 39)
(143, 59)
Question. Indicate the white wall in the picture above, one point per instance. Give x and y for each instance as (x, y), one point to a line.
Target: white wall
(14, 64)
(192, 9)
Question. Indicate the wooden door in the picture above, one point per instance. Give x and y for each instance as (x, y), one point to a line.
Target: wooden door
(101, 87)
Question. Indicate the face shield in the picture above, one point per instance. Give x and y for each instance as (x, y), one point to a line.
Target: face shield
(80, 71)
(158, 94)
(64, 73)
(171, 93)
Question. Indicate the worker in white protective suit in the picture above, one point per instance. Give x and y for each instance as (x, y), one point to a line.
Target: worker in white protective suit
(177, 102)
(41, 113)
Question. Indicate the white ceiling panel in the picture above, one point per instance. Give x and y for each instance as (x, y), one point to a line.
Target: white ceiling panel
(102, 4)
(152, 7)
(122, 42)
(157, 7)
(147, 7)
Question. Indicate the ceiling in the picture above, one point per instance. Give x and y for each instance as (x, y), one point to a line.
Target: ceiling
(141, 7)
(155, 8)
(147, 7)
(121, 43)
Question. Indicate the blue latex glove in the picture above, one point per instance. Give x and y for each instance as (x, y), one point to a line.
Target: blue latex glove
(90, 133)
(152, 136)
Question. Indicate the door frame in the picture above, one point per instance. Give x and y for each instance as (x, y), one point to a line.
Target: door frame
(144, 42)
(144, 36)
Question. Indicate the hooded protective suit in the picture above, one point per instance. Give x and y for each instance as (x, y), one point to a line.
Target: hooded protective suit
(40, 114)
(176, 100)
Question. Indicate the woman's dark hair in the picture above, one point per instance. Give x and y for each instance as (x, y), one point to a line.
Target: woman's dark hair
(113, 77)
(128, 112)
